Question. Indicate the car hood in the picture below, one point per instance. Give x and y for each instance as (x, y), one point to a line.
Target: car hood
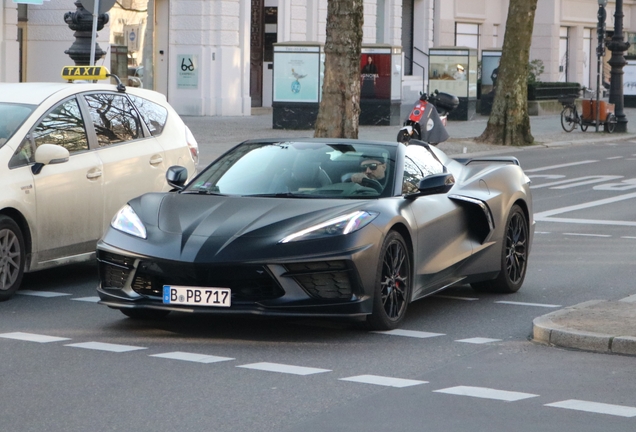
(194, 226)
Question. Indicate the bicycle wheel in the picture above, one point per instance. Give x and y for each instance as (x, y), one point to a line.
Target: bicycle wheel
(568, 119)
(610, 124)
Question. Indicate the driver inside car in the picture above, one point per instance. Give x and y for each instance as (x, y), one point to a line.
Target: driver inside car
(372, 169)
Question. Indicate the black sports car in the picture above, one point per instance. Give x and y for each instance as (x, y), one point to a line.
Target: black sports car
(319, 227)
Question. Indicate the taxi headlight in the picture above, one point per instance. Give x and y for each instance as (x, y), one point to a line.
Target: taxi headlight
(338, 226)
(126, 220)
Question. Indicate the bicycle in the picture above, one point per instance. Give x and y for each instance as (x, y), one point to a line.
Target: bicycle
(570, 115)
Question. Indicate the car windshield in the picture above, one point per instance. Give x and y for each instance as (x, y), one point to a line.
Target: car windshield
(300, 169)
(11, 118)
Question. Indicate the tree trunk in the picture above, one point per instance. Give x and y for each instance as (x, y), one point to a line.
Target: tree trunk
(509, 123)
(339, 110)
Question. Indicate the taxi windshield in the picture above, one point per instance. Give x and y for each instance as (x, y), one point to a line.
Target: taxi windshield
(11, 118)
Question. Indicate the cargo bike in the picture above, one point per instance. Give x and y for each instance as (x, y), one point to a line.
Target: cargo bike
(570, 116)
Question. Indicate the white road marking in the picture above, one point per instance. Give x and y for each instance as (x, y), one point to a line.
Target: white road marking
(586, 221)
(628, 237)
(384, 381)
(528, 304)
(46, 294)
(486, 393)
(478, 340)
(546, 168)
(192, 357)
(93, 299)
(546, 216)
(31, 337)
(542, 232)
(575, 182)
(101, 346)
(409, 333)
(595, 407)
(282, 368)
(455, 297)
(587, 235)
(614, 157)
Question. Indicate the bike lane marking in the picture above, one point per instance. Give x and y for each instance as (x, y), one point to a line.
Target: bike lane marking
(546, 168)
(548, 216)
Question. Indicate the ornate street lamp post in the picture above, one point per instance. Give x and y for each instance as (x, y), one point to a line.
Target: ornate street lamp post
(81, 21)
(618, 46)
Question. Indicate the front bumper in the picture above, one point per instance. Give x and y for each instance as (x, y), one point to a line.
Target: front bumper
(316, 287)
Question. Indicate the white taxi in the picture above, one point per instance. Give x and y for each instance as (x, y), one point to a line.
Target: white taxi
(71, 154)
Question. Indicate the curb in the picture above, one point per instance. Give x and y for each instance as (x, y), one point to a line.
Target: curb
(548, 332)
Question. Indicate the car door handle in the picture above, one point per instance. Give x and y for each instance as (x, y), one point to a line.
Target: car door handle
(156, 160)
(94, 173)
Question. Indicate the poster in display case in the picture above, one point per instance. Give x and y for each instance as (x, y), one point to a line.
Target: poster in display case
(489, 70)
(298, 72)
(380, 84)
(454, 70)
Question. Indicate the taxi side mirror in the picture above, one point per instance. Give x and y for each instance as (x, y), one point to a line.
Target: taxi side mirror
(49, 154)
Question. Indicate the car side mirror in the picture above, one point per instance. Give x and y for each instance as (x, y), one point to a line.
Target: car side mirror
(434, 184)
(49, 154)
(176, 176)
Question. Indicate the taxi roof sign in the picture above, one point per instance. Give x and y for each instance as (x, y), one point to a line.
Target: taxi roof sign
(84, 73)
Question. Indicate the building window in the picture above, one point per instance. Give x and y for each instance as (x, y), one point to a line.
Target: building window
(563, 54)
(467, 35)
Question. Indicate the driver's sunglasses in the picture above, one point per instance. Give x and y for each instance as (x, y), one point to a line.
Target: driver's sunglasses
(371, 166)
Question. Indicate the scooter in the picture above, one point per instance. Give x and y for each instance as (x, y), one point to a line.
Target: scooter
(430, 113)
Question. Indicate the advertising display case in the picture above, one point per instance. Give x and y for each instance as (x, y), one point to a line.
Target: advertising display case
(454, 70)
(380, 84)
(298, 71)
(489, 73)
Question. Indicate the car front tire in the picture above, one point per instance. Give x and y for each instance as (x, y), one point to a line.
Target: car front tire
(12, 257)
(392, 286)
(514, 256)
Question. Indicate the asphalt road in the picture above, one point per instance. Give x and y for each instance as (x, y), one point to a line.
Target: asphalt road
(463, 362)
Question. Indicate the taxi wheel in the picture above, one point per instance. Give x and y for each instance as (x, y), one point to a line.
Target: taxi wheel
(145, 314)
(11, 257)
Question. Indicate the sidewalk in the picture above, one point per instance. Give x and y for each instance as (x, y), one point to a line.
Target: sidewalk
(216, 135)
(599, 325)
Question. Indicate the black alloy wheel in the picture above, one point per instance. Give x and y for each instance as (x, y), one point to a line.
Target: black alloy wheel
(514, 256)
(393, 284)
(12, 257)
(568, 119)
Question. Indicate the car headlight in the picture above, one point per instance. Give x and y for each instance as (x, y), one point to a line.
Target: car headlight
(126, 220)
(338, 226)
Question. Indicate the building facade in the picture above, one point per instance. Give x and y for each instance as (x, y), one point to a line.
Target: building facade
(214, 57)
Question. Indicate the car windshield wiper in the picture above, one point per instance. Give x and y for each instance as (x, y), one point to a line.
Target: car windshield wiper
(202, 192)
(279, 195)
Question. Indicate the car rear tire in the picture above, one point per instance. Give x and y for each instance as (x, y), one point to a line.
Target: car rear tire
(392, 286)
(12, 257)
(145, 314)
(514, 256)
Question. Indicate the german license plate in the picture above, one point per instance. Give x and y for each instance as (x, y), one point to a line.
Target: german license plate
(199, 296)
